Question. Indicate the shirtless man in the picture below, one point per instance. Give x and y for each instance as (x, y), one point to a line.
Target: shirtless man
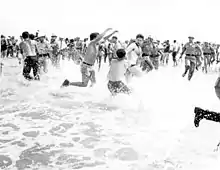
(28, 48)
(116, 74)
(88, 73)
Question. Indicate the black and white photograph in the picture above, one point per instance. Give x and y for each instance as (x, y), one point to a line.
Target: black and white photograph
(110, 85)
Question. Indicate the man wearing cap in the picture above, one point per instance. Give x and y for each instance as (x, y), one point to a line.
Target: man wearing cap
(207, 51)
(55, 50)
(155, 54)
(190, 59)
(71, 50)
(43, 52)
(199, 55)
(146, 63)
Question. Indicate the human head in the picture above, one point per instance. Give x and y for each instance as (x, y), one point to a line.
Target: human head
(121, 54)
(93, 36)
(139, 39)
(31, 36)
(2, 37)
(25, 35)
(114, 39)
(191, 38)
(41, 38)
(53, 37)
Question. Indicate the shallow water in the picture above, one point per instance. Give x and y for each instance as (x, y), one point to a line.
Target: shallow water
(45, 127)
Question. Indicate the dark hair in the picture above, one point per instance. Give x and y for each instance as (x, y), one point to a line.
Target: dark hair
(140, 36)
(31, 36)
(71, 40)
(174, 41)
(25, 35)
(114, 37)
(120, 53)
(93, 36)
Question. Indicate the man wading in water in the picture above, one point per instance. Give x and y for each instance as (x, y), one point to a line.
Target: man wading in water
(88, 73)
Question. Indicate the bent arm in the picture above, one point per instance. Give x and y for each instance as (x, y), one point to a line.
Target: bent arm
(100, 36)
(108, 36)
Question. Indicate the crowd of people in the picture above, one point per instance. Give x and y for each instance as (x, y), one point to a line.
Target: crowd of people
(126, 60)
(151, 55)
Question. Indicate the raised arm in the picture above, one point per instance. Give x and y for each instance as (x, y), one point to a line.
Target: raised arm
(100, 36)
(108, 36)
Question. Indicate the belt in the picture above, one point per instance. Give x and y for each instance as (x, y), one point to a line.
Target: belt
(145, 54)
(154, 56)
(87, 64)
(31, 56)
(132, 65)
(190, 55)
(206, 53)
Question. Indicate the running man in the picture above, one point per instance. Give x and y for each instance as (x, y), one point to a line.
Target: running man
(87, 70)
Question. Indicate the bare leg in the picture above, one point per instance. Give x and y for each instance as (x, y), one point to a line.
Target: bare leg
(84, 83)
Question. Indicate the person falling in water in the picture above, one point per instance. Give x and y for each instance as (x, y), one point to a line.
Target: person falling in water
(116, 74)
(87, 71)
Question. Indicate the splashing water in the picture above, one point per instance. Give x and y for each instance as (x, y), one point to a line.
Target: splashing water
(45, 127)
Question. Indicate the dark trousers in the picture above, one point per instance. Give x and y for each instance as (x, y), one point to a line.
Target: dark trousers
(31, 62)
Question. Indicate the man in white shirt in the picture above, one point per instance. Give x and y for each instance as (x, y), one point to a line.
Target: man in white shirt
(134, 54)
(175, 51)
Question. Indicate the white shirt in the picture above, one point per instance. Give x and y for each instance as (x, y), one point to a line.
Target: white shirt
(133, 52)
(175, 47)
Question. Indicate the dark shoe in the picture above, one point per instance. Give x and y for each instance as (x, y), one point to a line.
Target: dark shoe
(183, 75)
(199, 115)
(37, 77)
(28, 77)
(189, 77)
(66, 83)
